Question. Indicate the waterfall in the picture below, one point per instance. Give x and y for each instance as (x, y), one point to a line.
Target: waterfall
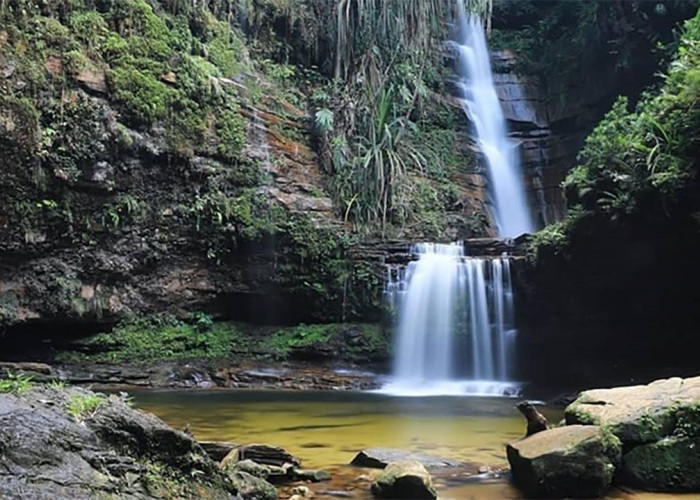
(455, 331)
(483, 109)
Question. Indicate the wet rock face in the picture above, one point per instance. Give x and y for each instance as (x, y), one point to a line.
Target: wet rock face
(550, 120)
(56, 444)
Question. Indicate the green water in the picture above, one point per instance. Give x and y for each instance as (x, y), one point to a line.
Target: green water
(326, 430)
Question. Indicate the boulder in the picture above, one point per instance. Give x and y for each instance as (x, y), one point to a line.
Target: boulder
(404, 479)
(378, 458)
(672, 464)
(250, 487)
(572, 461)
(75, 444)
(636, 414)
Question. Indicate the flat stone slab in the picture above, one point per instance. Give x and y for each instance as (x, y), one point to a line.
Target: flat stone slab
(556, 440)
(378, 458)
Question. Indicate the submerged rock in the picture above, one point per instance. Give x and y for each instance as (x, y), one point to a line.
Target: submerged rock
(250, 487)
(255, 469)
(315, 476)
(572, 461)
(378, 458)
(76, 444)
(636, 414)
(672, 464)
(404, 479)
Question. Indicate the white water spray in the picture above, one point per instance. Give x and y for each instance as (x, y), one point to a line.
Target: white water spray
(481, 105)
(455, 333)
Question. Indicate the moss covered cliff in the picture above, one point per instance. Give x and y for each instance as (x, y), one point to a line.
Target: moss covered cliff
(162, 156)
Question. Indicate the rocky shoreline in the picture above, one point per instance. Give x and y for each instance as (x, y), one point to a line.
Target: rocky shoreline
(61, 442)
(202, 374)
(70, 443)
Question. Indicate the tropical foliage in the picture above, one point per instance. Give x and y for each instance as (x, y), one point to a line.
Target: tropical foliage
(642, 162)
(383, 62)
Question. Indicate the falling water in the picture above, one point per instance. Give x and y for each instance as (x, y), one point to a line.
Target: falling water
(483, 110)
(455, 330)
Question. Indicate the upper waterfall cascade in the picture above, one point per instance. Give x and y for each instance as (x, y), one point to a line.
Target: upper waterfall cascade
(480, 103)
(455, 331)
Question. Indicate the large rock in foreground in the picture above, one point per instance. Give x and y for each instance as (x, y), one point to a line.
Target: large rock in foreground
(405, 479)
(572, 461)
(75, 444)
(636, 414)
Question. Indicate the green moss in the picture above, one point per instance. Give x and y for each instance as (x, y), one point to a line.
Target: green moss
(162, 481)
(612, 446)
(186, 124)
(300, 337)
(360, 343)
(91, 28)
(226, 51)
(48, 35)
(145, 98)
(19, 124)
(576, 414)
(159, 338)
(667, 465)
(688, 420)
(249, 215)
(146, 33)
(231, 130)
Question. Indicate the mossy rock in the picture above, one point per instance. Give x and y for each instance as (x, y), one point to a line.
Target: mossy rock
(670, 465)
(637, 414)
(250, 487)
(404, 479)
(573, 461)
